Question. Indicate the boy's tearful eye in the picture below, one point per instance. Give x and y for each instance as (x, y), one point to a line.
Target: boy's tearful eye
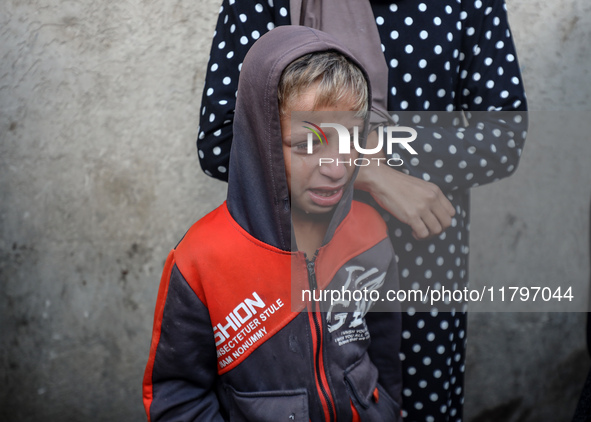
(302, 147)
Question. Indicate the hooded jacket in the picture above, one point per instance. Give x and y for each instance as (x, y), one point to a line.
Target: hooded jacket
(233, 338)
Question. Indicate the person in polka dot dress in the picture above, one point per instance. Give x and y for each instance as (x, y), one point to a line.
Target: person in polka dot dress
(450, 55)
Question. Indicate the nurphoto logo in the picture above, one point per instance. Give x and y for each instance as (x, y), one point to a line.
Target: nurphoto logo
(344, 138)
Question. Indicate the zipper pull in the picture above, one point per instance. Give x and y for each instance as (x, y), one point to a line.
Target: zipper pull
(312, 274)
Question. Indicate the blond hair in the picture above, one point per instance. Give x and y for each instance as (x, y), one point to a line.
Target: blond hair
(338, 78)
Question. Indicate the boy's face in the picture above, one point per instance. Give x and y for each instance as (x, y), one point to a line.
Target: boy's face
(314, 188)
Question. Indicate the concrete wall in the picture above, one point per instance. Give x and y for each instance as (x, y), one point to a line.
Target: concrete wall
(99, 179)
(533, 229)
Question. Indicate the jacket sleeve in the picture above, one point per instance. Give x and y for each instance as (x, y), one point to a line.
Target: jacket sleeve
(485, 143)
(240, 24)
(385, 329)
(180, 376)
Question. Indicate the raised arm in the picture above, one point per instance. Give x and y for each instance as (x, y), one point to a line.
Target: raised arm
(490, 94)
(489, 97)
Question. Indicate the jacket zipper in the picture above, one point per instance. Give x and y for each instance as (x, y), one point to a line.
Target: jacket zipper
(315, 316)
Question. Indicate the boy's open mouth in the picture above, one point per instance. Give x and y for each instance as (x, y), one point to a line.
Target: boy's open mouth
(326, 197)
(325, 193)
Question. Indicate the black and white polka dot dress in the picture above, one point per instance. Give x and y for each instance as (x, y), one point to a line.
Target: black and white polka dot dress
(443, 55)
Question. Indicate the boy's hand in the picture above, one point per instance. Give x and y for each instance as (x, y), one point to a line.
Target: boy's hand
(411, 200)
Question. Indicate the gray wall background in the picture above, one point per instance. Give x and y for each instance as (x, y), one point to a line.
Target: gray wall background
(99, 179)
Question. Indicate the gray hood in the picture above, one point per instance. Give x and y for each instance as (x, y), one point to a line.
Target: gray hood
(258, 197)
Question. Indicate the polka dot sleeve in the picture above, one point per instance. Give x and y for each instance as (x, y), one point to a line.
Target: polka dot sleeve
(240, 24)
(490, 78)
(491, 95)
